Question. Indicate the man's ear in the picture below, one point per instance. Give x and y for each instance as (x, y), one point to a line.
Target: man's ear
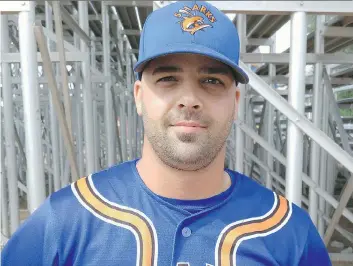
(237, 96)
(138, 96)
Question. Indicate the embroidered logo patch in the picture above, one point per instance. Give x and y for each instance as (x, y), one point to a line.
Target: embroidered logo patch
(195, 19)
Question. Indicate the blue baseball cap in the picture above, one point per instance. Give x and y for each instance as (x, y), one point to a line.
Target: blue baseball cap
(190, 27)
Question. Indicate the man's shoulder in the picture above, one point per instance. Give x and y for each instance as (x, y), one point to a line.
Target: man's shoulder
(102, 182)
(264, 199)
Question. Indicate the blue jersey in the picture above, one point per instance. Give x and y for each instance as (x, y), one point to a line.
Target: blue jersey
(112, 218)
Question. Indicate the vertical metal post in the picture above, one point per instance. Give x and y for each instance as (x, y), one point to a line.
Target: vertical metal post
(323, 162)
(62, 158)
(54, 131)
(123, 124)
(35, 170)
(296, 96)
(110, 130)
(249, 144)
(79, 136)
(270, 127)
(316, 110)
(241, 25)
(9, 130)
(130, 125)
(78, 105)
(96, 133)
(3, 181)
(87, 93)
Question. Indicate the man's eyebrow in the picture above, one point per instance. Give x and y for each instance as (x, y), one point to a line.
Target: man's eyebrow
(216, 70)
(166, 69)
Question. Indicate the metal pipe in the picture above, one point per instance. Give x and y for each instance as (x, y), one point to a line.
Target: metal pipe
(110, 124)
(79, 137)
(122, 119)
(316, 111)
(53, 120)
(87, 93)
(241, 25)
(35, 169)
(296, 95)
(270, 127)
(3, 185)
(9, 131)
(96, 133)
(323, 162)
(130, 127)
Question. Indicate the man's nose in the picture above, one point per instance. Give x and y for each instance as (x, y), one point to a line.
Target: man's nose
(190, 99)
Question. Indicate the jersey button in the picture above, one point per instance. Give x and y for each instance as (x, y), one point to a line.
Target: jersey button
(186, 232)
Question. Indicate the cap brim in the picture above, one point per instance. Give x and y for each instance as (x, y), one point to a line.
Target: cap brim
(194, 48)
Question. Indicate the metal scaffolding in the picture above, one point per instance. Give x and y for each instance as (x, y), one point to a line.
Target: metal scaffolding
(67, 106)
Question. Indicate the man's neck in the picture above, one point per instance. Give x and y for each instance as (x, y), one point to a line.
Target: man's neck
(172, 183)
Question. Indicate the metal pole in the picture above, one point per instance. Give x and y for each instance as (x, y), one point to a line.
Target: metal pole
(54, 132)
(110, 124)
(323, 162)
(270, 127)
(79, 136)
(3, 184)
(78, 106)
(130, 126)
(35, 169)
(296, 99)
(123, 124)
(241, 23)
(96, 133)
(9, 131)
(316, 110)
(87, 93)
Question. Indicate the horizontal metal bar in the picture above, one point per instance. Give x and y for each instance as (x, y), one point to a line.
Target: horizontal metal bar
(343, 88)
(259, 41)
(131, 32)
(341, 257)
(285, 7)
(338, 32)
(71, 79)
(54, 56)
(308, 80)
(13, 6)
(130, 3)
(338, 58)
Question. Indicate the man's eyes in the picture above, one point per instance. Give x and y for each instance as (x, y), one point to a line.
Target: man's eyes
(209, 80)
(167, 79)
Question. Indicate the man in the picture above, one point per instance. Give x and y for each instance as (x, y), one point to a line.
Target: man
(177, 205)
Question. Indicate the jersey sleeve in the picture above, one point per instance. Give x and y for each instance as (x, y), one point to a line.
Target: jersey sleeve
(315, 252)
(32, 243)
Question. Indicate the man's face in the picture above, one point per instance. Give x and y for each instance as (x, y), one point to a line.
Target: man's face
(188, 103)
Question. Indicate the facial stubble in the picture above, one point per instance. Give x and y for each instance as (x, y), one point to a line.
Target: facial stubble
(186, 151)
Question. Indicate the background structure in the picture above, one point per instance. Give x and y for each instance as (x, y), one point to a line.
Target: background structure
(67, 108)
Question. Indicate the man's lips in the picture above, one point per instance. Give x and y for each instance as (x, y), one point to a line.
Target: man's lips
(189, 124)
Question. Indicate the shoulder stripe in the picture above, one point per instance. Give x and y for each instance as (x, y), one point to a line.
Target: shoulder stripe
(231, 236)
(122, 216)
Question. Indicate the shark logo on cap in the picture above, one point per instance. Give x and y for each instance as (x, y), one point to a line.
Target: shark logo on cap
(193, 19)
